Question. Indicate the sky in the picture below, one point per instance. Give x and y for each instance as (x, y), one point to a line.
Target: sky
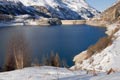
(101, 5)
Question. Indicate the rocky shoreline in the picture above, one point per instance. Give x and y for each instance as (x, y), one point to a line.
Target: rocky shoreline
(31, 22)
(47, 22)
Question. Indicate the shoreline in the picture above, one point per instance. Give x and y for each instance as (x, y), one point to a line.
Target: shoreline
(45, 23)
(112, 29)
(22, 23)
(87, 22)
(73, 22)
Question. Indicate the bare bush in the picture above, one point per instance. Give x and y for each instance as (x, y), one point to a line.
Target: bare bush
(46, 60)
(35, 62)
(110, 71)
(100, 45)
(55, 60)
(115, 30)
(64, 64)
(52, 60)
(18, 55)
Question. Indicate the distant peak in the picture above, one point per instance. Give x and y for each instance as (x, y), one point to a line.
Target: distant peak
(75, 1)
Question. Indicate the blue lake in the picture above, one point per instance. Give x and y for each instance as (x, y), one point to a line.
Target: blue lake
(67, 40)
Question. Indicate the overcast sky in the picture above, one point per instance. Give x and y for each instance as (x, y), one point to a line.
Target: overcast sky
(101, 5)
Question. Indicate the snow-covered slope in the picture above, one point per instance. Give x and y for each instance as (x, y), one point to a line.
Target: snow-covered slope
(17, 8)
(63, 9)
(106, 59)
(53, 73)
(39, 73)
(109, 57)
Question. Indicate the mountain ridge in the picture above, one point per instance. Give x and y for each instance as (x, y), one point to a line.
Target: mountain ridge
(62, 9)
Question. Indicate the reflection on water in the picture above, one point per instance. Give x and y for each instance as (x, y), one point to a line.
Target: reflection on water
(68, 41)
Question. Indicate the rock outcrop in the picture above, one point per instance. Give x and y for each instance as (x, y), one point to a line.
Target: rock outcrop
(109, 16)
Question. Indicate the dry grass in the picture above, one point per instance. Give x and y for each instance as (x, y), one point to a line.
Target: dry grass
(100, 45)
(18, 54)
(116, 30)
(52, 60)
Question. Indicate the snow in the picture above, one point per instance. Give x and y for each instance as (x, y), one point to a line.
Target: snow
(106, 59)
(54, 73)
(115, 76)
(39, 73)
(78, 58)
(111, 28)
(73, 8)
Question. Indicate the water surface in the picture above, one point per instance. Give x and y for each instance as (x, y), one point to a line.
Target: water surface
(67, 40)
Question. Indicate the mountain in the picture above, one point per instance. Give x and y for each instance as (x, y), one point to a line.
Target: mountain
(17, 8)
(109, 16)
(105, 54)
(62, 9)
(112, 14)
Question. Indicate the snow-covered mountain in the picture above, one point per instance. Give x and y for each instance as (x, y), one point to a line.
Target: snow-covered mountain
(17, 8)
(63, 9)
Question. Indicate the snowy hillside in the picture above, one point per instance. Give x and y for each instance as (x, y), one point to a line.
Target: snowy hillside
(53, 73)
(63, 9)
(17, 8)
(108, 58)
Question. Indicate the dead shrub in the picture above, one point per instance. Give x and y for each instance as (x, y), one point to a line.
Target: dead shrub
(116, 30)
(36, 62)
(64, 64)
(55, 60)
(99, 46)
(52, 60)
(18, 54)
(110, 71)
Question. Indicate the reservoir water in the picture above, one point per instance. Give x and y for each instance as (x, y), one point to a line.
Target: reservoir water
(66, 40)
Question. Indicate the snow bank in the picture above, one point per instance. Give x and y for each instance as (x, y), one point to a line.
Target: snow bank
(38, 73)
(115, 76)
(106, 59)
(111, 28)
(54, 73)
